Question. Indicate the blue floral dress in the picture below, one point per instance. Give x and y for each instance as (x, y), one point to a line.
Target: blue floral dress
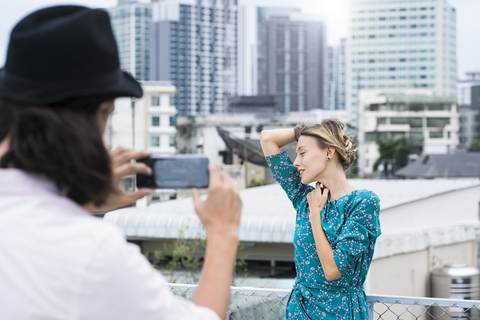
(351, 224)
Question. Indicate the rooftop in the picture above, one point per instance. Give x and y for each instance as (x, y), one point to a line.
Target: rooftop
(456, 165)
(268, 215)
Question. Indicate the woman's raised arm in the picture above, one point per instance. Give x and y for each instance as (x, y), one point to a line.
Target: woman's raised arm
(273, 140)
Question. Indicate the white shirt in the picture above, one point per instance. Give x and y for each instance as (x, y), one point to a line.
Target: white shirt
(59, 262)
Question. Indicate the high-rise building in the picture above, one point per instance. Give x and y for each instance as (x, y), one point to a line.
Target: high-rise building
(194, 45)
(396, 45)
(131, 27)
(468, 93)
(291, 62)
(250, 15)
(335, 70)
(331, 75)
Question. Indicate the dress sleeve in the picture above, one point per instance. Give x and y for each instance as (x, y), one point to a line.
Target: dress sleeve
(120, 283)
(287, 176)
(359, 232)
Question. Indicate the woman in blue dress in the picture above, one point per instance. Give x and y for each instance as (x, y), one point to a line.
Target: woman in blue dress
(336, 225)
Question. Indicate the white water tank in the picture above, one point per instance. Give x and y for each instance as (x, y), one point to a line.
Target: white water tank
(456, 281)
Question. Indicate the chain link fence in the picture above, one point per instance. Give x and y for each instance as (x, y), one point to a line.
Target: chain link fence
(247, 303)
(270, 304)
(407, 308)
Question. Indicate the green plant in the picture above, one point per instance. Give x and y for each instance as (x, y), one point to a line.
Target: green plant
(240, 268)
(474, 145)
(393, 155)
(257, 183)
(184, 258)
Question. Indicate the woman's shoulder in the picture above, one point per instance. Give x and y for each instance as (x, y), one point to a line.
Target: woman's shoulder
(361, 198)
(365, 194)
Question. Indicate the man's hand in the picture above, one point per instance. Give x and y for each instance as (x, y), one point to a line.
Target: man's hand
(220, 212)
(123, 166)
(316, 201)
(220, 215)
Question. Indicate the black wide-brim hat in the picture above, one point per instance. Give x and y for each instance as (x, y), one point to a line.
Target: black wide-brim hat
(64, 52)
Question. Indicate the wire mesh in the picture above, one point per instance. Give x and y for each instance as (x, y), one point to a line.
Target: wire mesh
(407, 308)
(247, 303)
(270, 304)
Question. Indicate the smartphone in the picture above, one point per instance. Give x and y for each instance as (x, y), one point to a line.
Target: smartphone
(175, 172)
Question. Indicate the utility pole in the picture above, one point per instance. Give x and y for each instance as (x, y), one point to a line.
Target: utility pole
(248, 130)
(245, 157)
(132, 101)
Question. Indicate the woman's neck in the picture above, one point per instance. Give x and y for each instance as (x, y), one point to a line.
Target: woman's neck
(336, 183)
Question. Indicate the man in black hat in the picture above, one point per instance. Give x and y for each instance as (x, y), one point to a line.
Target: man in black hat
(56, 261)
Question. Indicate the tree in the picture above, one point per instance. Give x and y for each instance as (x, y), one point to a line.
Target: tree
(393, 155)
(474, 145)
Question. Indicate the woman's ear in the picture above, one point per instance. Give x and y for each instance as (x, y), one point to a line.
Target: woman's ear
(330, 152)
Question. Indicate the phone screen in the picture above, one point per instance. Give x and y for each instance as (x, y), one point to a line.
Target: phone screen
(175, 172)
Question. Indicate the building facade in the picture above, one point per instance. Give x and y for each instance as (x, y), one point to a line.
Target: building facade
(468, 93)
(194, 45)
(292, 62)
(336, 76)
(147, 123)
(429, 122)
(400, 45)
(250, 15)
(131, 27)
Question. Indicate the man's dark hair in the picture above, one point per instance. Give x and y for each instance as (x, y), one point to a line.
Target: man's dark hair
(61, 142)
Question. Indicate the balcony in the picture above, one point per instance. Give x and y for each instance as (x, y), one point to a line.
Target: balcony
(268, 304)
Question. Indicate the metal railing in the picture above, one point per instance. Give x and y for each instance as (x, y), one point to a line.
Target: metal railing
(394, 307)
(268, 304)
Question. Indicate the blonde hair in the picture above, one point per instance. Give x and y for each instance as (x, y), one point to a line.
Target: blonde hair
(329, 133)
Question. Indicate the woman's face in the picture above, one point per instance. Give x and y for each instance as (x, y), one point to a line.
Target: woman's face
(311, 159)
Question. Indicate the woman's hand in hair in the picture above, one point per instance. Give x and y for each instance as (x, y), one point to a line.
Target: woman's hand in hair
(316, 201)
(123, 166)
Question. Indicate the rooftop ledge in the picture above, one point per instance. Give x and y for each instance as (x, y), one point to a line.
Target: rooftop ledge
(419, 210)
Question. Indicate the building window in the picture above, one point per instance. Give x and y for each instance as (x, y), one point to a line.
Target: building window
(154, 141)
(398, 120)
(415, 122)
(382, 121)
(172, 121)
(436, 134)
(437, 122)
(155, 100)
(155, 121)
(370, 137)
(172, 141)
(416, 136)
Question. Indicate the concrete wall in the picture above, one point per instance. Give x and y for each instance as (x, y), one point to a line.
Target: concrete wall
(409, 274)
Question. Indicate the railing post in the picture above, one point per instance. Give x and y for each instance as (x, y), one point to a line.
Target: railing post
(370, 305)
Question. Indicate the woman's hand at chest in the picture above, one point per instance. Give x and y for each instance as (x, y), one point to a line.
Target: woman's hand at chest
(317, 200)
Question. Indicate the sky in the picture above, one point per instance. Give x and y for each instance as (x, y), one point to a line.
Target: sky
(332, 11)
